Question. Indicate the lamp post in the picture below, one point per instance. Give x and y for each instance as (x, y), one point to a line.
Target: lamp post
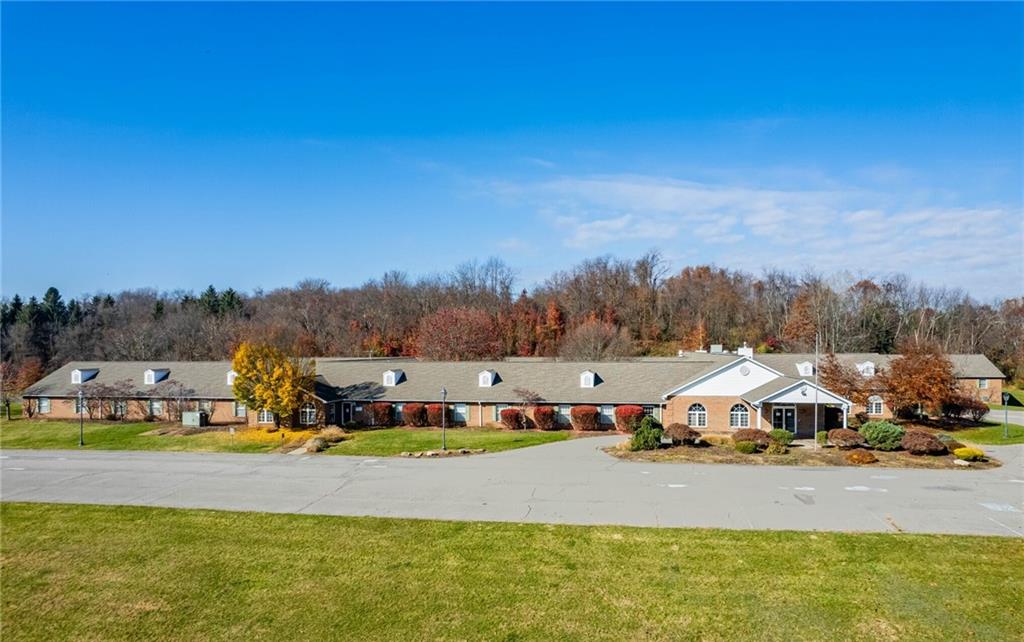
(1006, 415)
(444, 419)
(81, 419)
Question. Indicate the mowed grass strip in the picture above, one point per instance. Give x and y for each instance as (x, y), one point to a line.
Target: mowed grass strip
(991, 435)
(393, 441)
(94, 572)
(30, 433)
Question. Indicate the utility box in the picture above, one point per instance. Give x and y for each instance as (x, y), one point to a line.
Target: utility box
(195, 419)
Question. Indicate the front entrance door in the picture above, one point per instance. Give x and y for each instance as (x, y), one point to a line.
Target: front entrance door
(346, 413)
(784, 418)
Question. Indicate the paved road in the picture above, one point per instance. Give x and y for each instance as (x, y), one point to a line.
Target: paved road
(1015, 416)
(567, 482)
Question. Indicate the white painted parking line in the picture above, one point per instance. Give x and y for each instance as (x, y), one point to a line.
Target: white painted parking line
(1019, 481)
(677, 485)
(803, 488)
(1012, 530)
(866, 489)
(884, 477)
(370, 461)
(999, 508)
(14, 469)
(645, 472)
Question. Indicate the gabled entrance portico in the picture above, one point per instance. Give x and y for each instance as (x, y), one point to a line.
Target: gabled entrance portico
(791, 406)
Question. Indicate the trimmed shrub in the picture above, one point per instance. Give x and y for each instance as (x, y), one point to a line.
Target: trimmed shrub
(435, 412)
(512, 419)
(585, 418)
(546, 417)
(822, 438)
(860, 457)
(975, 408)
(970, 454)
(316, 444)
(776, 448)
(745, 447)
(414, 414)
(783, 437)
(628, 418)
(918, 442)
(845, 438)
(757, 437)
(682, 434)
(380, 413)
(882, 435)
(647, 436)
(332, 435)
(149, 418)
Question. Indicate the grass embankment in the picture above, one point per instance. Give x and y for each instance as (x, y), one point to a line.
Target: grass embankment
(393, 441)
(93, 572)
(989, 435)
(32, 433)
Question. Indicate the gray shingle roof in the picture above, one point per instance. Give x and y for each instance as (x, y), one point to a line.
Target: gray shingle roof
(767, 389)
(965, 366)
(207, 378)
(554, 381)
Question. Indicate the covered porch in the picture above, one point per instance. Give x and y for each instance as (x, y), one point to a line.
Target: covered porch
(798, 406)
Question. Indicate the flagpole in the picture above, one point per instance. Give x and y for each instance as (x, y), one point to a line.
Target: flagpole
(816, 389)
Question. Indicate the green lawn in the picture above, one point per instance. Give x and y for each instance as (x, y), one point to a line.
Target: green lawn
(103, 573)
(392, 441)
(31, 433)
(991, 435)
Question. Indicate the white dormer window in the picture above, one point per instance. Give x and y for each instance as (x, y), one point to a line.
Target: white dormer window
(231, 377)
(486, 378)
(805, 368)
(152, 376)
(81, 375)
(587, 379)
(392, 377)
(866, 369)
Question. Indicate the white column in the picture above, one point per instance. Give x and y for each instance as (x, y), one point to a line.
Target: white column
(845, 407)
(759, 417)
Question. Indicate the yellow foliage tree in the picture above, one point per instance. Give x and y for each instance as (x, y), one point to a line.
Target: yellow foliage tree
(268, 379)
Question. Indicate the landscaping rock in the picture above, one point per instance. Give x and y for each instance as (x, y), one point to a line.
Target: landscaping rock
(961, 462)
(316, 444)
(845, 438)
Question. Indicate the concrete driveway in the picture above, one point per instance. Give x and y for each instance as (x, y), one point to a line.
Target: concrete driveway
(1014, 416)
(571, 482)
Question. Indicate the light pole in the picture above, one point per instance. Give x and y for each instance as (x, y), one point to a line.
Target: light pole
(1006, 415)
(81, 419)
(444, 419)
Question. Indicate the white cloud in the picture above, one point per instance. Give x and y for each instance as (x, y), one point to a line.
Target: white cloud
(831, 229)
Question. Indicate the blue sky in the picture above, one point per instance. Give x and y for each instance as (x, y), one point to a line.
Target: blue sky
(252, 145)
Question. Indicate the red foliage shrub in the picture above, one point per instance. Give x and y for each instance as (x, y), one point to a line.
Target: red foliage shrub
(380, 413)
(545, 417)
(414, 414)
(585, 418)
(628, 418)
(682, 434)
(513, 419)
(918, 442)
(759, 437)
(434, 412)
(846, 438)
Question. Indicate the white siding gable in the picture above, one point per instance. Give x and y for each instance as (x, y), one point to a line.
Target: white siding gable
(733, 380)
(804, 393)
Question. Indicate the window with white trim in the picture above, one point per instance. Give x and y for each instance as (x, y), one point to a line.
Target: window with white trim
(739, 416)
(239, 409)
(206, 405)
(866, 369)
(265, 417)
(397, 410)
(156, 407)
(79, 405)
(460, 413)
(982, 384)
(119, 408)
(874, 405)
(607, 414)
(697, 416)
(650, 411)
(564, 414)
(498, 407)
(307, 414)
(44, 405)
(149, 377)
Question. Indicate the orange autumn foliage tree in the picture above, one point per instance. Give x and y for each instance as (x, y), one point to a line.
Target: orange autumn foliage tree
(268, 379)
(920, 378)
(846, 381)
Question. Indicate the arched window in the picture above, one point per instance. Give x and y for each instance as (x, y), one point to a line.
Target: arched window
(307, 414)
(874, 405)
(697, 416)
(739, 416)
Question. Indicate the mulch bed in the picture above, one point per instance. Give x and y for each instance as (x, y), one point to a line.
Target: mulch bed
(797, 456)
